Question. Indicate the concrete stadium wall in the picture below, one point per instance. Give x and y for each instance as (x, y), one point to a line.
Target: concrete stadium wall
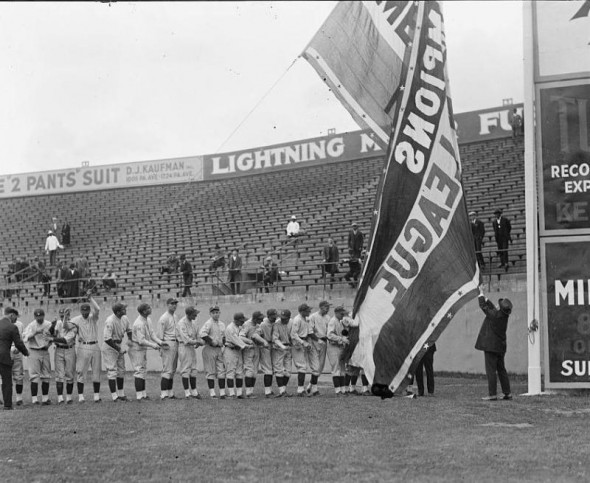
(455, 347)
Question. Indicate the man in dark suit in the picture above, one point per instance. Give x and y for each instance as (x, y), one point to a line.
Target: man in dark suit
(187, 276)
(492, 341)
(72, 283)
(9, 335)
(356, 240)
(331, 259)
(234, 273)
(479, 232)
(502, 230)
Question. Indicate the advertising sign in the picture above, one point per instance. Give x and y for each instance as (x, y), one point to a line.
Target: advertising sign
(566, 291)
(486, 124)
(565, 155)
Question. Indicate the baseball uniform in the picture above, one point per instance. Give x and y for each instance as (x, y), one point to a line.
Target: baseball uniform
(115, 329)
(38, 338)
(233, 358)
(186, 333)
(64, 360)
(166, 331)
(336, 344)
(318, 329)
(281, 354)
(252, 332)
(301, 350)
(213, 354)
(143, 336)
(265, 364)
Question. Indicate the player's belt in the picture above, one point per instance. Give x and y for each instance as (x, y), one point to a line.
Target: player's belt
(90, 343)
(39, 348)
(61, 346)
(231, 346)
(325, 339)
(117, 341)
(170, 340)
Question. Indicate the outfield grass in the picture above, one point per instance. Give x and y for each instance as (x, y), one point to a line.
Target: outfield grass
(451, 437)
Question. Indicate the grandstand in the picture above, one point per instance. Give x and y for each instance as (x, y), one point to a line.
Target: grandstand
(134, 229)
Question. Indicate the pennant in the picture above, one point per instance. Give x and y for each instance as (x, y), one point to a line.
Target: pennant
(360, 52)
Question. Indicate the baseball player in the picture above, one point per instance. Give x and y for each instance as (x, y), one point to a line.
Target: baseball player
(318, 322)
(212, 334)
(86, 327)
(18, 370)
(251, 331)
(353, 372)
(142, 337)
(266, 328)
(233, 356)
(301, 347)
(39, 339)
(186, 333)
(337, 340)
(115, 328)
(166, 331)
(64, 357)
(281, 353)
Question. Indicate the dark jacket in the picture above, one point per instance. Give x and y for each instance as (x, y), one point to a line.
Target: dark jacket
(479, 231)
(492, 335)
(502, 229)
(356, 242)
(8, 335)
(235, 265)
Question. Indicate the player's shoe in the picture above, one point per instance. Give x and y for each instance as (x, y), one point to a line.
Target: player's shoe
(19, 403)
(123, 398)
(69, 401)
(172, 397)
(251, 396)
(46, 403)
(287, 394)
(222, 397)
(240, 397)
(280, 394)
(489, 398)
(196, 396)
(507, 397)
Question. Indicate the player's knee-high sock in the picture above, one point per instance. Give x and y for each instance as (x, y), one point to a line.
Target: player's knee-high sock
(120, 384)
(353, 381)
(163, 388)
(170, 386)
(221, 383)
(59, 387)
(34, 390)
(69, 388)
(336, 381)
(80, 391)
(300, 382)
(185, 385)
(365, 382)
(267, 384)
(239, 384)
(45, 390)
(280, 383)
(314, 383)
(230, 387)
(346, 382)
(193, 383)
(113, 388)
(19, 392)
(96, 387)
(211, 386)
(138, 389)
(250, 381)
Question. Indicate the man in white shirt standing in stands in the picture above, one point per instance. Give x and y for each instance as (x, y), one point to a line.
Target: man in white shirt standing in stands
(88, 355)
(293, 227)
(166, 331)
(51, 246)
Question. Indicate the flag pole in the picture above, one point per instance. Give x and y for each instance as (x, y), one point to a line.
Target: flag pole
(531, 208)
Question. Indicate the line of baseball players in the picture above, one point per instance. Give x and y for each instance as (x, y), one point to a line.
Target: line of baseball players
(232, 354)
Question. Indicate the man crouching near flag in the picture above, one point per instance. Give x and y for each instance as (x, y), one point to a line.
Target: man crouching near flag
(492, 340)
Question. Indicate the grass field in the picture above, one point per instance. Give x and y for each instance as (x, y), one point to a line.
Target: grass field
(451, 437)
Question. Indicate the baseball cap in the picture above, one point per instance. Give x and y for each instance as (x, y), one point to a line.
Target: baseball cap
(355, 224)
(270, 312)
(239, 316)
(472, 213)
(85, 307)
(214, 308)
(325, 303)
(50, 232)
(293, 217)
(38, 312)
(340, 308)
(118, 306)
(10, 310)
(257, 315)
(191, 310)
(303, 308)
(498, 212)
(285, 313)
(171, 300)
(143, 307)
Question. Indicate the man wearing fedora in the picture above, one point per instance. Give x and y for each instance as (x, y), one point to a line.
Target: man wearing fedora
(492, 341)
(479, 232)
(502, 230)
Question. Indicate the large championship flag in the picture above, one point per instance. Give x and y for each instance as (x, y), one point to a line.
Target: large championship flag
(421, 267)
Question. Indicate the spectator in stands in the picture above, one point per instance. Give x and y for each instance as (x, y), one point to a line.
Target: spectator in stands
(330, 260)
(354, 270)
(218, 259)
(72, 283)
(37, 267)
(65, 234)
(51, 246)
(234, 274)
(54, 225)
(45, 279)
(270, 273)
(171, 266)
(293, 227)
(187, 275)
(61, 276)
(516, 123)
(356, 241)
(502, 230)
(479, 231)
(21, 265)
(109, 280)
(83, 267)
